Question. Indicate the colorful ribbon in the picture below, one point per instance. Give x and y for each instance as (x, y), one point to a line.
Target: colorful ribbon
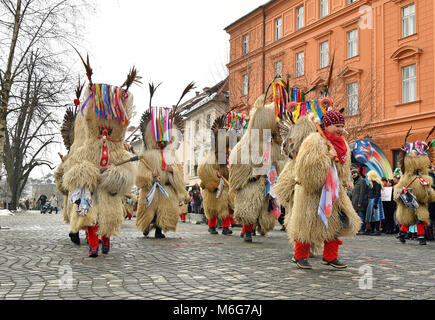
(108, 102)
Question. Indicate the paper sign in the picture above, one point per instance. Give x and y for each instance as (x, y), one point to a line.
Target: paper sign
(387, 194)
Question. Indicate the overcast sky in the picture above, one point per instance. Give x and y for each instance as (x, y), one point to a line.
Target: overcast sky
(173, 42)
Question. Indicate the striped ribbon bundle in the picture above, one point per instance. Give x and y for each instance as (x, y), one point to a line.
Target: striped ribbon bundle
(109, 103)
(162, 120)
(281, 99)
(299, 109)
(237, 122)
(128, 148)
(296, 95)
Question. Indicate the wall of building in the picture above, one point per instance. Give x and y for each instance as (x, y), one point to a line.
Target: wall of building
(377, 68)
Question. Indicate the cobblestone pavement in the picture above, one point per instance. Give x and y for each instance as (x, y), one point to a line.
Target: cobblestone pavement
(38, 261)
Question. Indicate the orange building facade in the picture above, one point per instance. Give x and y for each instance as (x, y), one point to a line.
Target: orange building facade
(383, 71)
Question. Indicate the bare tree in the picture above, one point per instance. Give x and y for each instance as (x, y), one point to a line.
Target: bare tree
(358, 122)
(26, 27)
(31, 126)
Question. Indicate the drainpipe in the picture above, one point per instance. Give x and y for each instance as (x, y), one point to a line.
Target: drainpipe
(264, 46)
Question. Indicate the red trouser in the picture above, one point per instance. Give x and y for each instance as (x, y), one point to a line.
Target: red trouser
(93, 237)
(226, 223)
(232, 217)
(330, 250)
(420, 228)
(247, 227)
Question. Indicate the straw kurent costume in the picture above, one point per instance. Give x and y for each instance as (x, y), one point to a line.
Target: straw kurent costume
(129, 202)
(413, 193)
(213, 171)
(160, 179)
(252, 161)
(101, 171)
(321, 212)
(73, 133)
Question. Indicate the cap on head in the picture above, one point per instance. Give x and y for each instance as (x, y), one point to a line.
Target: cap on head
(332, 117)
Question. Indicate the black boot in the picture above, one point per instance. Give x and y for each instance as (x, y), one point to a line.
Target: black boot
(248, 236)
(212, 230)
(226, 231)
(75, 238)
(159, 234)
(335, 263)
(422, 240)
(302, 263)
(402, 236)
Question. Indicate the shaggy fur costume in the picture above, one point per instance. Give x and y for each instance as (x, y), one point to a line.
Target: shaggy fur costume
(107, 188)
(247, 173)
(285, 186)
(424, 194)
(207, 172)
(79, 135)
(311, 169)
(128, 207)
(163, 211)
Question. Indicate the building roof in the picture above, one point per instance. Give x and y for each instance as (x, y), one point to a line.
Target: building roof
(219, 92)
(247, 15)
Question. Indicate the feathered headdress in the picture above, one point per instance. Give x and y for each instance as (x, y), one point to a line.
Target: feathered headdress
(109, 101)
(163, 119)
(415, 149)
(67, 129)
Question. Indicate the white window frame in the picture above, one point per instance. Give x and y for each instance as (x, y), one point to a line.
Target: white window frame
(324, 54)
(352, 98)
(245, 44)
(408, 21)
(300, 64)
(278, 68)
(352, 43)
(245, 85)
(278, 28)
(409, 83)
(324, 8)
(300, 23)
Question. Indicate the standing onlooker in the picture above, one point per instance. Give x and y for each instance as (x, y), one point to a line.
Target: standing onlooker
(41, 201)
(53, 203)
(375, 212)
(27, 204)
(360, 198)
(389, 207)
(431, 227)
(190, 205)
(197, 199)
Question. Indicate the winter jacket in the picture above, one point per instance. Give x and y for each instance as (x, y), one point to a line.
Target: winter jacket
(360, 194)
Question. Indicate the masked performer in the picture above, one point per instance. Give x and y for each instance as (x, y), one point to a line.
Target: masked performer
(160, 179)
(255, 161)
(214, 174)
(321, 211)
(413, 193)
(101, 172)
